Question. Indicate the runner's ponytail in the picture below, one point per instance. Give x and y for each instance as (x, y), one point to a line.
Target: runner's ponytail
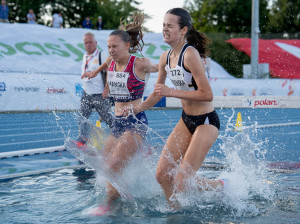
(131, 32)
(199, 41)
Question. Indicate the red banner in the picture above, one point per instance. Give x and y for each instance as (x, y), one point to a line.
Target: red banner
(283, 56)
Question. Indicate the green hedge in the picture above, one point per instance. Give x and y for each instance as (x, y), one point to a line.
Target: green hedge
(226, 55)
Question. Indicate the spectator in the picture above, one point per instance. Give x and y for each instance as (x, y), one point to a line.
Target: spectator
(87, 23)
(31, 17)
(99, 25)
(4, 12)
(95, 94)
(57, 21)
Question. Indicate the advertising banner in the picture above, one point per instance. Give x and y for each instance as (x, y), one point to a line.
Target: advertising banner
(40, 69)
(283, 56)
(21, 92)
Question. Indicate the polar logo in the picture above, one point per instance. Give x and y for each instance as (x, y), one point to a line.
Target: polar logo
(249, 102)
(265, 102)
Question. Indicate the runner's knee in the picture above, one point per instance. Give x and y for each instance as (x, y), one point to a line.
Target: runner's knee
(163, 177)
(113, 165)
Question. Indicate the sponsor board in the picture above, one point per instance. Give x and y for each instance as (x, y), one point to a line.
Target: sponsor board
(26, 89)
(51, 90)
(78, 89)
(256, 102)
(261, 102)
(2, 87)
(282, 56)
(60, 51)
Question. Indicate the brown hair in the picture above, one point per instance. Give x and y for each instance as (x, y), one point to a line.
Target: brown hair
(131, 32)
(195, 38)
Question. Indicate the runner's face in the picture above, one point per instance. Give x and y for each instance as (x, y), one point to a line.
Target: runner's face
(171, 29)
(90, 44)
(117, 48)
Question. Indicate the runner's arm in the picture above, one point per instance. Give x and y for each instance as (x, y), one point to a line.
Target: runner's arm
(154, 97)
(94, 73)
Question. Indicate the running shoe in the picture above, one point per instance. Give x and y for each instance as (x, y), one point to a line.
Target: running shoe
(81, 144)
(225, 183)
(100, 210)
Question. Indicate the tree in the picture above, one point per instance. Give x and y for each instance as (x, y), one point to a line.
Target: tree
(285, 16)
(114, 10)
(18, 10)
(74, 11)
(206, 15)
(230, 16)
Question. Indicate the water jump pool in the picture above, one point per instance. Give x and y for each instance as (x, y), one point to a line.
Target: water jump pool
(263, 161)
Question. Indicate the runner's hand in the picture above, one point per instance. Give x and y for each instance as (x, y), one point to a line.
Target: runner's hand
(127, 111)
(162, 90)
(89, 75)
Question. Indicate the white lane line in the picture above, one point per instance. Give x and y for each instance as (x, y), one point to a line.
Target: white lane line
(28, 152)
(20, 143)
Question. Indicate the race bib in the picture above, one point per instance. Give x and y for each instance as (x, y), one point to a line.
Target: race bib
(117, 82)
(177, 78)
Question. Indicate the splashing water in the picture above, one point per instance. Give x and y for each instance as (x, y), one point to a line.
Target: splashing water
(249, 181)
(246, 171)
(248, 178)
(137, 180)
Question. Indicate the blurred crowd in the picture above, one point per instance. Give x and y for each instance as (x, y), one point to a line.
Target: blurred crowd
(57, 18)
